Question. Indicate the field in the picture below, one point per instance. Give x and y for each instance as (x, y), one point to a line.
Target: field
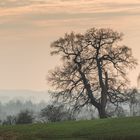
(104, 129)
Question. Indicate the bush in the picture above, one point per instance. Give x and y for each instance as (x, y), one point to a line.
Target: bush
(24, 117)
(55, 113)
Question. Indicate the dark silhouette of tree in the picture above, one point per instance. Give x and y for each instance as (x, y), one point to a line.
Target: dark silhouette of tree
(94, 69)
(24, 117)
(52, 113)
(55, 113)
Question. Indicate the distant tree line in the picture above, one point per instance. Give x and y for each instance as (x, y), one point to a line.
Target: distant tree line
(56, 112)
(13, 107)
(51, 113)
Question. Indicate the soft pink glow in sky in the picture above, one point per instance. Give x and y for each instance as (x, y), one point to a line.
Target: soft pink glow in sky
(27, 27)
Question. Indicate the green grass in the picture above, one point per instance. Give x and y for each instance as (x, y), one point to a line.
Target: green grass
(104, 129)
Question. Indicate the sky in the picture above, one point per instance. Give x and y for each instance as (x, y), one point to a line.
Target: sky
(27, 28)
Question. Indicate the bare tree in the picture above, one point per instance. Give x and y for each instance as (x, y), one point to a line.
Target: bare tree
(10, 120)
(94, 68)
(55, 113)
(133, 101)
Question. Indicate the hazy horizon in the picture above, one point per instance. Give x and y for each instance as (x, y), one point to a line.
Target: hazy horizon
(27, 29)
(24, 95)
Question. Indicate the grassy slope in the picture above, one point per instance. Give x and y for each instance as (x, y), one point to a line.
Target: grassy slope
(105, 129)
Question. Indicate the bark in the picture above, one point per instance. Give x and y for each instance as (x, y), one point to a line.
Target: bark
(104, 90)
(102, 112)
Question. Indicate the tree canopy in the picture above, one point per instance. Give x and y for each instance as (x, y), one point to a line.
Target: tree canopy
(94, 70)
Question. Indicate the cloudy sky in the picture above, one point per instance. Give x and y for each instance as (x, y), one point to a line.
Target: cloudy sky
(27, 27)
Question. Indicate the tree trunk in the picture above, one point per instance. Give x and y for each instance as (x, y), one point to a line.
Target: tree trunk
(104, 89)
(102, 112)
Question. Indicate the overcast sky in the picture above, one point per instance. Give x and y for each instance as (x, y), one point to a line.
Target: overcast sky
(27, 27)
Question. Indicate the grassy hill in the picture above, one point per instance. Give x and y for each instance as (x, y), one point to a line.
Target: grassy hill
(105, 129)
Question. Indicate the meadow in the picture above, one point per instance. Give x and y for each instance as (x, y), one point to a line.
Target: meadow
(100, 129)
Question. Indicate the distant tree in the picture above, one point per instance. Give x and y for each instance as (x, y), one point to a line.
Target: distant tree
(55, 113)
(24, 117)
(120, 112)
(94, 69)
(133, 101)
(11, 119)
